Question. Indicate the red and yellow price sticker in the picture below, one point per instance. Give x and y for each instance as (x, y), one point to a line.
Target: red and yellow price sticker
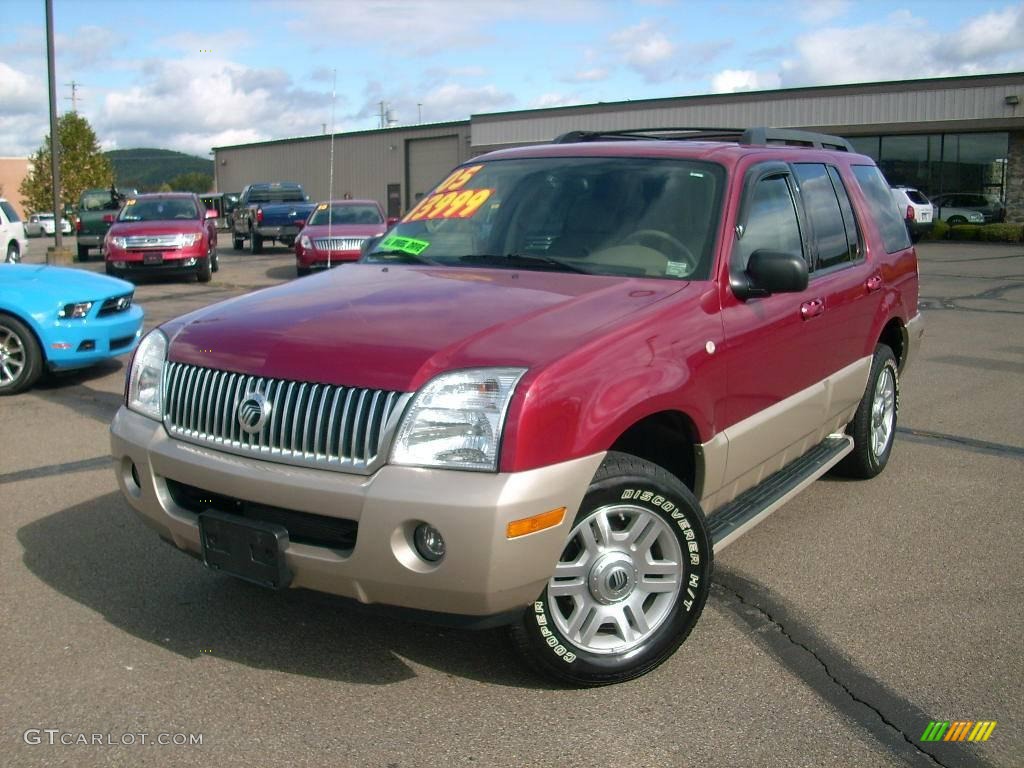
(450, 200)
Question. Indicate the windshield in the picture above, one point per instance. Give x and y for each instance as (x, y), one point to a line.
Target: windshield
(160, 209)
(277, 194)
(342, 213)
(95, 201)
(597, 215)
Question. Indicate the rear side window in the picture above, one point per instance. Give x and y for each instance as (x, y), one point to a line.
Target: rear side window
(12, 215)
(771, 224)
(916, 197)
(834, 236)
(883, 208)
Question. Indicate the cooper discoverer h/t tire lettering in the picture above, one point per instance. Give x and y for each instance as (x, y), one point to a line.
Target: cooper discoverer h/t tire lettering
(630, 584)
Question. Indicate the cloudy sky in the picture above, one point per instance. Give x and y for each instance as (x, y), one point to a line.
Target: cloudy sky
(194, 74)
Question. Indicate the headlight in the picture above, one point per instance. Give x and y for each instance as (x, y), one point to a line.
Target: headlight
(145, 382)
(72, 311)
(119, 242)
(185, 240)
(455, 420)
(306, 243)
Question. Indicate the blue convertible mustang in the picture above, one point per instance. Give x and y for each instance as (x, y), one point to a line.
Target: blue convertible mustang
(61, 319)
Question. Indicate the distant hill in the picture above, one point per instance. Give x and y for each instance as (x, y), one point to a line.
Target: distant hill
(146, 168)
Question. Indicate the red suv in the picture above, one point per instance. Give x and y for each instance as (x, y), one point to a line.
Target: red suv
(162, 233)
(547, 397)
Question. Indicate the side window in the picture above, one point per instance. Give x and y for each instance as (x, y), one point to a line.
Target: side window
(771, 223)
(849, 220)
(9, 212)
(882, 208)
(826, 217)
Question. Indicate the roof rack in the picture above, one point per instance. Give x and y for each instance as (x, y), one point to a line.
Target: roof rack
(749, 136)
(647, 134)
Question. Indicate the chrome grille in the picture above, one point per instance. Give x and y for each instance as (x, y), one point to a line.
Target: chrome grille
(339, 243)
(153, 241)
(310, 424)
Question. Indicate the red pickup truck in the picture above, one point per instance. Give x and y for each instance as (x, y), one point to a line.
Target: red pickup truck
(548, 395)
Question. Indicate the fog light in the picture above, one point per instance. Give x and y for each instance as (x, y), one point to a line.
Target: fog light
(429, 542)
(119, 264)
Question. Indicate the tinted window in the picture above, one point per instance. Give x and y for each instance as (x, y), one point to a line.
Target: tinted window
(771, 223)
(822, 208)
(849, 220)
(883, 208)
(916, 197)
(159, 209)
(346, 214)
(12, 215)
(277, 194)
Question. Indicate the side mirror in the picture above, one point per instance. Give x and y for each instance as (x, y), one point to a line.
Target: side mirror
(299, 223)
(108, 218)
(211, 213)
(771, 272)
(391, 221)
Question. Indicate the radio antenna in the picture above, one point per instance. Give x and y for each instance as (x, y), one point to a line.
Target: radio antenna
(330, 183)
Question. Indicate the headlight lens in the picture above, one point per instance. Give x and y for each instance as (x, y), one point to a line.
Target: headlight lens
(185, 240)
(306, 243)
(72, 311)
(455, 420)
(145, 383)
(119, 242)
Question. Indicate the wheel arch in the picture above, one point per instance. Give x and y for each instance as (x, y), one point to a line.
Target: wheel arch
(894, 336)
(29, 323)
(668, 439)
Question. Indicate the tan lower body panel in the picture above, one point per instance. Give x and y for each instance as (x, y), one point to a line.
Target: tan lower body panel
(743, 455)
(482, 573)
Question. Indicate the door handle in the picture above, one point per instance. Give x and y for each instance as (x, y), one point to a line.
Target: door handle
(874, 283)
(812, 308)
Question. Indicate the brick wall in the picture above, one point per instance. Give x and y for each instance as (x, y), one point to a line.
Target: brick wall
(12, 171)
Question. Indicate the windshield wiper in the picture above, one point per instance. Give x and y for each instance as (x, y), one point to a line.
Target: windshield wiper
(534, 258)
(404, 254)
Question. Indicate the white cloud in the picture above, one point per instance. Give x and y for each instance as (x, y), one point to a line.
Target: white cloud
(546, 100)
(992, 34)
(646, 50)
(595, 75)
(822, 11)
(732, 80)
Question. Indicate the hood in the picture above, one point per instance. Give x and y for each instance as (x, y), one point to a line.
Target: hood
(394, 327)
(142, 228)
(60, 284)
(344, 230)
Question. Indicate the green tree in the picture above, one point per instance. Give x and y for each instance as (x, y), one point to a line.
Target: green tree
(193, 181)
(82, 165)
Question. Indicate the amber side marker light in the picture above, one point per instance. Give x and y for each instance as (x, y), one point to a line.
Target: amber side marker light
(544, 520)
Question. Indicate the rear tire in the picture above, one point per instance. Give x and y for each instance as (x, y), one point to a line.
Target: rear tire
(83, 253)
(255, 243)
(873, 428)
(13, 255)
(21, 361)
(630, 584)
(956, 221)
(237, 243)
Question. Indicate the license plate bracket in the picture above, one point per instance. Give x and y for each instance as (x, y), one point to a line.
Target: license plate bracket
(152, 258)
(247, 549)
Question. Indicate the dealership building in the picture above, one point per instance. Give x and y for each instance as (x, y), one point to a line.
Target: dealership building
(942, 135)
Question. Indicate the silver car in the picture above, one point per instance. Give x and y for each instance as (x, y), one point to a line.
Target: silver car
(40, 224)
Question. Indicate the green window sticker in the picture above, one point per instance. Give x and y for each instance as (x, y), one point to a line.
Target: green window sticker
(676, 269)
(404, 244)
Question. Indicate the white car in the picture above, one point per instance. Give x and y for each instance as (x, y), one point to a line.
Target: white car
(954, 216)
(915, 209)
(12, 234)
(40, 224)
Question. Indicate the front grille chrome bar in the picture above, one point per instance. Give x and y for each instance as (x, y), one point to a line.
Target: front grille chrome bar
(348, 429)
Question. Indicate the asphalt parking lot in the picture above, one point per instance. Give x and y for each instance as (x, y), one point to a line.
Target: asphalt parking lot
(835, 631)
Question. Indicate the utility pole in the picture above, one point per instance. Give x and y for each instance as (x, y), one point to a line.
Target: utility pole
(73, 98)
(58, 254)
(419, 113)
(382, 118)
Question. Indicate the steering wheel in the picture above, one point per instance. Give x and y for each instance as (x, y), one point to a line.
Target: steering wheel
(664, 243)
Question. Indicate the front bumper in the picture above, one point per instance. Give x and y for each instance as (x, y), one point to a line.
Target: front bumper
(482, 574)
(80, 343)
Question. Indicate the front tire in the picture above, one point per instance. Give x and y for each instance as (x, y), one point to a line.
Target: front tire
(956, 221)
(21, 361)
(630, 584)
(204, 272)
(874, 425)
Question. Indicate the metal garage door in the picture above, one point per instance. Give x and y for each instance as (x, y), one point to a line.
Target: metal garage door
(429, 161)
